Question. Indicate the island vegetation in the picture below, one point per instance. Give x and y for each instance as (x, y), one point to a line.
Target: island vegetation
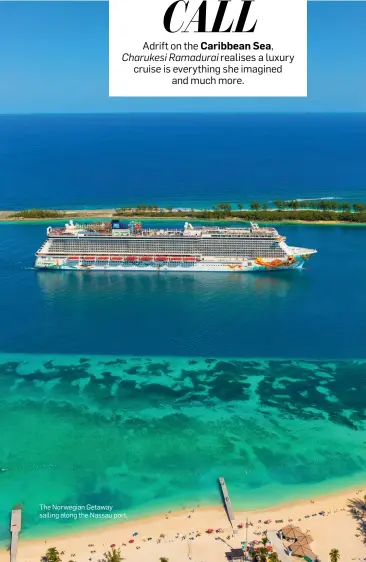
(112, 555)
(334, 555)
(295, 210)
(324, 210)
(38, 214)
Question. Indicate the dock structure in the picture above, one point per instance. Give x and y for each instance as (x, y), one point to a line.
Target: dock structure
(15, 528)
(225, 495)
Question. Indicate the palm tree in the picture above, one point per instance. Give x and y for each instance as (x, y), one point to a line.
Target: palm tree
(164, 559)
(265, 206)
(240, 206)
(113, 555)
(294, 204)
(279, 204)
(224, 207)
(273, 557)
(255, 205)
(345, 207)
(334, 555)
(264, 541)
(52, 555)
(324, 205)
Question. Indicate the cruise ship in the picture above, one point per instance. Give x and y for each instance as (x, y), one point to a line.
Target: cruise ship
(131, 247)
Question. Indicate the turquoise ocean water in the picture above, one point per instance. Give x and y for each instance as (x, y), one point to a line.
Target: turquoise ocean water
(139, 390)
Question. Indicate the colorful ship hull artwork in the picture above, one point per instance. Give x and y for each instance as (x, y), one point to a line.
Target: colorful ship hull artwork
(117, 247)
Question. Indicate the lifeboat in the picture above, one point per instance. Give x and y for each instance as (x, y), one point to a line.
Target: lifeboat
(161, 258)
(89, 258)
(146, 258)
(190, 259)
(73, 258)
(130, 258)
(116, 258)
(102, 258)
(176, 258)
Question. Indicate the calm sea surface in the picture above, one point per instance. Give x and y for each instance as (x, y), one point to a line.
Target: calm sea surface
(179, 160)
(139, 390)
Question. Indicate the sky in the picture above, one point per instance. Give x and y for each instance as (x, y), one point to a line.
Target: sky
(54, 59)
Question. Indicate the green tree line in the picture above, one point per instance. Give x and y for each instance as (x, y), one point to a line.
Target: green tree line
(38, 214)
(310, 211)
(280, 205)
(260, 213)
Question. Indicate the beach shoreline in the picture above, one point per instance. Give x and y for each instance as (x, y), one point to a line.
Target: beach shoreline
(337, 528)
(109, 214)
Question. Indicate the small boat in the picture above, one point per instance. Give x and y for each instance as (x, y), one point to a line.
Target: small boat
(161, 258)
(73, 258)
(102, 258)
(130, 258)
(176, 258)
(146, 258)
(189, 258)
(116, 258)
(89, 258)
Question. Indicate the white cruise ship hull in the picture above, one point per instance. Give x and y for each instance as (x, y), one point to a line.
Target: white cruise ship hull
(235, 267)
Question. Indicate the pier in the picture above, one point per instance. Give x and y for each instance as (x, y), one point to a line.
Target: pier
(227, 502)
(15, 528)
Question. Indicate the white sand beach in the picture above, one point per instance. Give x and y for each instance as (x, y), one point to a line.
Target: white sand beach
(185, 537)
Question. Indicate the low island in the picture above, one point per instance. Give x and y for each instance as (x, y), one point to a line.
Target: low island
(317, 211)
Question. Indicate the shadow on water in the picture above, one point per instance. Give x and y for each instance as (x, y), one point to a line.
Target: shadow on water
(56, 283)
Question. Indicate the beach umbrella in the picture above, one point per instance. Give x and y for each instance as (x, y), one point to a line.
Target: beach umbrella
(113, 545)
(302, 550)
(292, 532)
(305, 539)
(131, 541)
(135, 534)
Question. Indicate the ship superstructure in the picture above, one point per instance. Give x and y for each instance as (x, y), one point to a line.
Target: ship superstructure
(117, 246)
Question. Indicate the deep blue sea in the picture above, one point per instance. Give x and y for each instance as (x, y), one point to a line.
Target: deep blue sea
(138, 390)
(318, 312)
(179, 160)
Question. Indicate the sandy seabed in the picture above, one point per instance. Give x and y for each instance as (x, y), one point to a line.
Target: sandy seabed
(336, 529)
